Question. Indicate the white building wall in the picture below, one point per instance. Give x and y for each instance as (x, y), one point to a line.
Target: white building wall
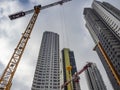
(47, 73)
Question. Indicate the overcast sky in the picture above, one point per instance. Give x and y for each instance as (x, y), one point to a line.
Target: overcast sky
(66, 20)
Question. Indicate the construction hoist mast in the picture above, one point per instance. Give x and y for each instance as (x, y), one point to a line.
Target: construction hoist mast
(7, 76)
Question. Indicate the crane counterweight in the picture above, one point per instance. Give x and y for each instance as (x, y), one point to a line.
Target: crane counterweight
(17, 15)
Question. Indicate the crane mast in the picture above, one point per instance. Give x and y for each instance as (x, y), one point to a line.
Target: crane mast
(7, 76)
(9, 72)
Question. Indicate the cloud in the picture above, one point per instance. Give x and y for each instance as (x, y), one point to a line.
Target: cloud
(1, 10)
(3, 34)
(67, 20)
(24, 1)
(1, 67)
(19, 85)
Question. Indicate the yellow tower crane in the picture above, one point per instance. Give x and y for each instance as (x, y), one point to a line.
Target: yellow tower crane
(7, 76)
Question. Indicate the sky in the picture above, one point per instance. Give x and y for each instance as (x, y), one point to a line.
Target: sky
(66, 20)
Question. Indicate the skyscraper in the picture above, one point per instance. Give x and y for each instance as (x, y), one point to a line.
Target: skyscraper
(103, 23)
(69, 61)
(46, 75)
(94, 79)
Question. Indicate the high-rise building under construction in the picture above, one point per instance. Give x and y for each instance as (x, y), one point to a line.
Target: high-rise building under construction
(47, 71)
(94, 78)
(69, 69)
(103, 23)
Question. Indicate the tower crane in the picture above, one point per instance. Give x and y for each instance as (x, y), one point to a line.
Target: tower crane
(75, 77)
(7, 76)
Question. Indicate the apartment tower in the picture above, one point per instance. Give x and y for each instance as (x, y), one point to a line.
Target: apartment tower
(68, 60)
(94, 78)
(46, 75)
(103, 23)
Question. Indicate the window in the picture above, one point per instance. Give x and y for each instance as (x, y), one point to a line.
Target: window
(46, 86)
(55, 87)
(116, 28)
(38, 86)
(114, 25)
(118, 56)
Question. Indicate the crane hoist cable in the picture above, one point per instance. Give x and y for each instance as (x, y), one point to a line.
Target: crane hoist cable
(7, 76)
(63, 27)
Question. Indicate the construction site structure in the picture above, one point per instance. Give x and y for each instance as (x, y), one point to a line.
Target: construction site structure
(69, 69)
(7, 76)
(75, 77)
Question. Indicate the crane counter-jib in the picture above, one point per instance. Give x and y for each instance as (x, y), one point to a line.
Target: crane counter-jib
(22, 14)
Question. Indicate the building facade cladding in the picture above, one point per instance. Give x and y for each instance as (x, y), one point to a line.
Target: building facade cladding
(76, 85)
(110, 15)
(47, 73)
(69, 60)
(101, 33)
(94, 78)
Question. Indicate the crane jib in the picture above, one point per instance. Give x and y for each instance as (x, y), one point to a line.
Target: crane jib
(22, 14)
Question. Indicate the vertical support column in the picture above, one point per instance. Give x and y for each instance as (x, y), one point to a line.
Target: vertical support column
(116, 76)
